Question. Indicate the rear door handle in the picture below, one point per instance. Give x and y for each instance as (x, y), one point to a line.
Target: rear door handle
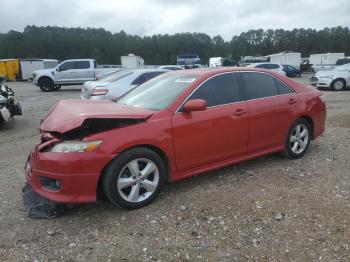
(239, 112)
(292, 101)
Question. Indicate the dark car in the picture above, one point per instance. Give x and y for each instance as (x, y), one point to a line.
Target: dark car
(291, 71)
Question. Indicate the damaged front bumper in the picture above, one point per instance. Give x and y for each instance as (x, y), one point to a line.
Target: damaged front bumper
(69, 178)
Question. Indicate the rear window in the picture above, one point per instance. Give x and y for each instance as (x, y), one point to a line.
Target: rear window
(282, 88)
(81, 64)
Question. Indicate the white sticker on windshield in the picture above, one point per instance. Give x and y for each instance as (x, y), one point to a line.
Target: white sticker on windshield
(185, 80)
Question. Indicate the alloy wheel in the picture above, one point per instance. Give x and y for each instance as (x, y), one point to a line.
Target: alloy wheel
(299, 139)
(138, 180)
(338, 85)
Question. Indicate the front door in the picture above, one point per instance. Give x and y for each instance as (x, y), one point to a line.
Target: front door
(218, 133)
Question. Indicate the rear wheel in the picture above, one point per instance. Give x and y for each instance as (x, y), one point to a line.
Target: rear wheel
(338, 85)
(298, 139)
(46, 85)
(134, 178)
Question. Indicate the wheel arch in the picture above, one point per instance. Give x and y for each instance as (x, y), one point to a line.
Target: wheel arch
(45, 77)
(100, 195)
(311, 123)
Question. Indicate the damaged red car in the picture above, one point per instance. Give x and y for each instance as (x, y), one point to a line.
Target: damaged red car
(172, 127)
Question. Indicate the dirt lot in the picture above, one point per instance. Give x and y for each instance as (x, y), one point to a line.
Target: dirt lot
(268, 209)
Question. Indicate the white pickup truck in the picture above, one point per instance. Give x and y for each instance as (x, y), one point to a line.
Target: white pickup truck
(69, 72)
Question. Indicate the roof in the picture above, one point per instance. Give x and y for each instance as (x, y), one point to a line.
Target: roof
(39, 59)
(209, 71)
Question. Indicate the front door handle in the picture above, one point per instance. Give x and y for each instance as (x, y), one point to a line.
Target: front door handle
(239, 112)
(292, 101)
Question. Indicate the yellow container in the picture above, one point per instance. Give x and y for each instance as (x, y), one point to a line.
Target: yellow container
(9, 68)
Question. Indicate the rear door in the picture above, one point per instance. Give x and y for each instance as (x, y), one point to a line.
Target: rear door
(83, 71)
(271, 104)
(220, 132)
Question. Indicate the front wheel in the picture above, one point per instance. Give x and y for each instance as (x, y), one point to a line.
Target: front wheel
(298, 139)
(46, 85)
(338, 85)
(134, 178)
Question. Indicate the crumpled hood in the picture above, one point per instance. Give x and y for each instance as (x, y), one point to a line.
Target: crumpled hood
(69, 114)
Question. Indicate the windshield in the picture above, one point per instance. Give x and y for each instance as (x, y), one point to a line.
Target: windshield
(158, 93)
(117, 75)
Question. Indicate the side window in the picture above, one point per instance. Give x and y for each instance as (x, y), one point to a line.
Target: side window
(67, 66)
(273, 66)
(258, 85)
(219, 90)
(262, 66)
(81, 65)
(282, 88)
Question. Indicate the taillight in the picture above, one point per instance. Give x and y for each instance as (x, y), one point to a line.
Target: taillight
(99, 92)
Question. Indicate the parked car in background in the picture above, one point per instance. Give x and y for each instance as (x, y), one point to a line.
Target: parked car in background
(117, 84)
(326, 67)
(188, 60)
(221, 61)
(69, 72)
(291, 71)
(172, 127)
(337, 79)
(171, 67)
(271, 66)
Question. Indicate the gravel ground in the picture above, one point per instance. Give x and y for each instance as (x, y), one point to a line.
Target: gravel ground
(267, 209)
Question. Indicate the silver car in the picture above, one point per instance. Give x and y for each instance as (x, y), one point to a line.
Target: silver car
(337, 79)
(271, 66)
(117, 84)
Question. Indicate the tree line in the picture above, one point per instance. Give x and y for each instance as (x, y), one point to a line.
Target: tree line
(67, 43)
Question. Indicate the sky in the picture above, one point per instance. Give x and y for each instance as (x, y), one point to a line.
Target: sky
(148, 17)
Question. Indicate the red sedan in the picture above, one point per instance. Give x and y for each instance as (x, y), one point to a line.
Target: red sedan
(174, 126)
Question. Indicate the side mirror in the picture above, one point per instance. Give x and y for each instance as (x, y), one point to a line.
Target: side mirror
(195, 105)
(58, 69)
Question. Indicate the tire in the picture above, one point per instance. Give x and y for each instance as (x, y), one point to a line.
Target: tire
(1, 121)
(297, 142)
(338, 85)
(125, 181)
(46, 85)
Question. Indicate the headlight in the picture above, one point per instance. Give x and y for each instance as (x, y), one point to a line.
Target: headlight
(75, 146)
